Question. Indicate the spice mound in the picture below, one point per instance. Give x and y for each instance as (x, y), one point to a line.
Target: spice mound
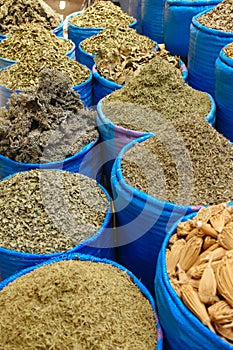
(33, 42)
(76, 304)
(25, 73)
(47, 211)
(100, 15)
(186, 162)
(46, 123)
(159, 87)
(199, 260)
(219, 18)
(15, 13)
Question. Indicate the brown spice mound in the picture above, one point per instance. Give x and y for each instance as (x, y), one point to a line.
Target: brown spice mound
(46, 123)
(47, 211)
(187, 162)
(220, 17)
(159, 86)
(75, 305)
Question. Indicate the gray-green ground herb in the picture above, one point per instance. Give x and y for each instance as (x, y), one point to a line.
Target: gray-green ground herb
(78, 305)
(187, 155)
(24, 74)
(33, 40)
(160, 88)
(13, 13)
(220, 17)
(100, 15)
(46, 123)
(47, 211)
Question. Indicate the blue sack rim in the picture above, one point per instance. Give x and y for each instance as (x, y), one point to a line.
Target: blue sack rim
(84, 243)
(86, 82)
(104, 81)
(175, 298)
(208, 30)
(142, 196)
(85, 52)
(192, 3)
(73, 26)
(224, 58)
(117, 129)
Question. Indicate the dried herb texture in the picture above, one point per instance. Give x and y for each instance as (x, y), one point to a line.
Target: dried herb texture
(187, 162)
(46, 211)
(76, 305)
(220, 17)
(33, 40)
(100, 15)
(229, 50)
(159, 87)
(25, 73)
(46, 123)
(14, 13)
(201, 273)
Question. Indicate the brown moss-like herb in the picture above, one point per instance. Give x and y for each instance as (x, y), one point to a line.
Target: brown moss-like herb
(46, 123)
(76, 304)
(46, 211)
(100, 15)
(14, 13)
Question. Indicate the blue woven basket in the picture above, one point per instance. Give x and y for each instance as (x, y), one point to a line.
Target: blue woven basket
(83, 257)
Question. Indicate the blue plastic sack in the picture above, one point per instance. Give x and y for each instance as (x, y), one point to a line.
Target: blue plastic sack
(102, 86)
(78, 34)
(88, 257)
(204, 47)
(85, 162)
(182, 330)
(223, 94)
(112, 139)
(133, 9)
(84, 89)
(84, 57)
(152, 21)
(101, 244)
(142, 223)
(177, 19)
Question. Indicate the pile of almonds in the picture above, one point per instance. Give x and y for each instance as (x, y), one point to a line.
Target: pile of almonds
(199, 262)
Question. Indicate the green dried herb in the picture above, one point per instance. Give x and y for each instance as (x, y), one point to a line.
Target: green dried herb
(46, 211)
(24, 74)
(159, 87)
(100, 15)
(15, 13)
(33, 40)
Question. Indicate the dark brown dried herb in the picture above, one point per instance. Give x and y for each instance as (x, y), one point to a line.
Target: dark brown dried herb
(46, 123)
